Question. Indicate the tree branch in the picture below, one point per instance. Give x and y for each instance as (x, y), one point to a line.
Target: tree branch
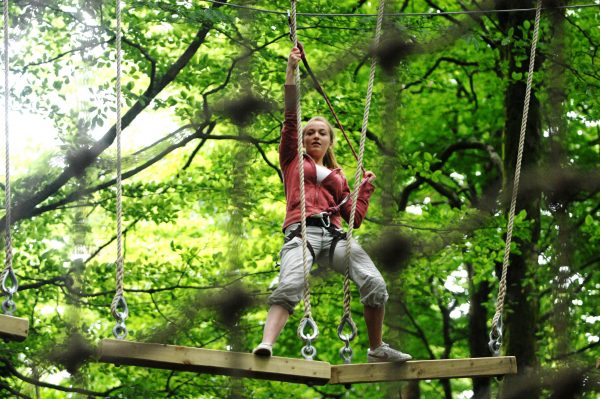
(26, 207)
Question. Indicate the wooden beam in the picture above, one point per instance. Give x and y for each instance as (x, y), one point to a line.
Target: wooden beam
(209, 361)
(423, 370)
(13, 328)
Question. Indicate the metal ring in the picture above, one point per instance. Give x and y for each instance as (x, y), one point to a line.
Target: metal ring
(346, 354)
(308, 321)
(9, 306)
(308, 351)
(347, 321)
(120, 330)
(13, 279)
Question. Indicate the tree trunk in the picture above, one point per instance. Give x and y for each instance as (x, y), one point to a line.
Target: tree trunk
(478, 331)
(521, 311)
(411, 390)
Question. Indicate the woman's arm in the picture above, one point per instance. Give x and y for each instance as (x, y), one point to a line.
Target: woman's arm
(293, 59)
(289, 134)
(362, 202)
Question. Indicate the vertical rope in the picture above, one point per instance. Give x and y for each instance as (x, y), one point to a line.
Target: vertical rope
(8, 305)
(120, 331)
(496, 332)
(347, 317)
(308, 351)
(307, 307)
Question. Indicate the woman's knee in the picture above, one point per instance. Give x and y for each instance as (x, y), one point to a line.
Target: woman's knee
(287, 294)
(374, 291)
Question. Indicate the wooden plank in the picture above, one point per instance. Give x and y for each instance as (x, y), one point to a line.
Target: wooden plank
(423, 370)
(13, 328)
(209, 361)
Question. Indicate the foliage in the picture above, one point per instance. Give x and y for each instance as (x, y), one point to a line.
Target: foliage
(203, 199)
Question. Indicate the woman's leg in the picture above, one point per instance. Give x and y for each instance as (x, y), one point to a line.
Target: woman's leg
(276, 320)
(373, 294)
(374, 321)
(289, 290)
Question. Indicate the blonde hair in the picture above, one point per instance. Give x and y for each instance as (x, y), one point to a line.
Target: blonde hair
(329, 159)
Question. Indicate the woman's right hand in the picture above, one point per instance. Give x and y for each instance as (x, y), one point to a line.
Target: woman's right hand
(294, 58)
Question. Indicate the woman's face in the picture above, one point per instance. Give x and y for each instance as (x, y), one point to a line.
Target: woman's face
(317, 140)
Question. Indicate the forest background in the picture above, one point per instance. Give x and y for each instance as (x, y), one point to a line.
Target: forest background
(204, 202)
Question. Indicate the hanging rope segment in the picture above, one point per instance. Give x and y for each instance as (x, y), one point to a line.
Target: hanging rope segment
(308, 351)
(119, 307)
(346, 350)
(495, 342)
(11, 327)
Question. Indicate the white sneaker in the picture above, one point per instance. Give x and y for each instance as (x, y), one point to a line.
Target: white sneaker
(386, 354)
(263, 349)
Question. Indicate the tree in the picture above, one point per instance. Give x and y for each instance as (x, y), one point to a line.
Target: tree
(202, 85)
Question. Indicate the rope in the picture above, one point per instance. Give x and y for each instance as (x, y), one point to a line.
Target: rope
(308, 351)
(8, 305)
(401, 14)
(120, 330)
(347, 317)
(496, 332)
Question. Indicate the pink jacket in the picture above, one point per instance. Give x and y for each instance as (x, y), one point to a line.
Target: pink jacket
(319, 197)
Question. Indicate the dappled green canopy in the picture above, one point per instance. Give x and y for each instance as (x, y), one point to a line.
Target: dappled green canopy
(203, 196)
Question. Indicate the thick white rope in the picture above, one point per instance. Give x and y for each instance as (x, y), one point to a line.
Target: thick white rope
(359, 166)
(496, 332)
(305, 262)
(119, 299)
(308, 351)
(8, 305)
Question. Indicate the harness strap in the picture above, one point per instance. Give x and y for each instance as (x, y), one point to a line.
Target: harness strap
(337, 236)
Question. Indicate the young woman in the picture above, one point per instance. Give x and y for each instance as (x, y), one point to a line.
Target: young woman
(326, 189)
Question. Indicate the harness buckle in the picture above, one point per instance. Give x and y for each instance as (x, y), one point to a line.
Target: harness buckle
(325, 219)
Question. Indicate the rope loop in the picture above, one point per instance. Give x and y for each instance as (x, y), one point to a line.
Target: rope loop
(347, 322)
(308, 322)
(119, 302)
(495, 342)
(12, 289)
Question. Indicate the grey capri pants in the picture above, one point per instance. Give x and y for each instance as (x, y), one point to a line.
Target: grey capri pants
(363, 272)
